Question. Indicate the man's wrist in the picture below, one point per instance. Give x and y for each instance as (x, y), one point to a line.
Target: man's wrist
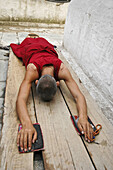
(26, 123)
(82, 116)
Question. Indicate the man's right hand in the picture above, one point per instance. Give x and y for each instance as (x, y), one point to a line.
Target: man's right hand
(26, 136)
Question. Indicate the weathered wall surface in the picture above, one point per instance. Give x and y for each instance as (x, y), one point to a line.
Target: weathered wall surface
(35, 10)
(88, 36)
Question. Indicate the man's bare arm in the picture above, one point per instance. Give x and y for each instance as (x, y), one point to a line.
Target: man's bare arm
(83, 123)
(28, 133)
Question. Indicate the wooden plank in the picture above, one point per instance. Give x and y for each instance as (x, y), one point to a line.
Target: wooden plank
(101, 154)
(11, 159)
(63, 148)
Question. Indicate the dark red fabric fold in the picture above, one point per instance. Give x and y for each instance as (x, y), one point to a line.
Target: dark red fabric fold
(32, 46)
(39, 52)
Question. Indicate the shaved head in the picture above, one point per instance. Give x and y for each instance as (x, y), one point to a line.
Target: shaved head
(46, 87)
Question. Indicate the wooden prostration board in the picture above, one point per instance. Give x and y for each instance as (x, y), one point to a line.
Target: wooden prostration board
(63, 147)
(102, 154)
(11, 159)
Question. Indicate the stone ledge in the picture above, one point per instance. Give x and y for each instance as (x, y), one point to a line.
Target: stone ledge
(32, 24)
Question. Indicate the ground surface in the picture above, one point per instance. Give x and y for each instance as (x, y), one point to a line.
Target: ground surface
(15, 34)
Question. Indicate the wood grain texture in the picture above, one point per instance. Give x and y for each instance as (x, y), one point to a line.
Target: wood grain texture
(11, 159)
(101, 154)
(63, 148)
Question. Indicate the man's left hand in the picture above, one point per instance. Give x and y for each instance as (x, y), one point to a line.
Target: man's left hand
(85, 128)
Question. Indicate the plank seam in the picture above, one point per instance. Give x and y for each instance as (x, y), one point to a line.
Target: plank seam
(80, 136)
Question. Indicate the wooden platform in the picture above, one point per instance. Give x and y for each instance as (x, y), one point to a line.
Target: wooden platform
(64, 149)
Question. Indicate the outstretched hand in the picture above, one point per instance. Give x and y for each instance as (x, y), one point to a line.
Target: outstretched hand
(85, 128)
(26, 136)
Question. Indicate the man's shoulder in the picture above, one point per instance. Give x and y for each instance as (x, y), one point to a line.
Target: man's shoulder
(31, 73)
(62, 67)
(31, 67)
(63, 72)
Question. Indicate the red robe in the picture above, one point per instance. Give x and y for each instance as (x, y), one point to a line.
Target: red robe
(39, 52)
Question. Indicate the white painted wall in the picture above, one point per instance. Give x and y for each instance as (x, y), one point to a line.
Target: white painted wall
(32, 9)
(88, 36)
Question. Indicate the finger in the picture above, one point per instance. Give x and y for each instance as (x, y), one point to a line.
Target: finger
(35, 136)
(85, 132)
(29, 141)
(91, 133)
(88, 132)
(21, 140)
(80, 128)
(18, 139)
(25, 142)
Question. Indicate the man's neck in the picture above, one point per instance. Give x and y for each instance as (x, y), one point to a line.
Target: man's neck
(48, 70)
